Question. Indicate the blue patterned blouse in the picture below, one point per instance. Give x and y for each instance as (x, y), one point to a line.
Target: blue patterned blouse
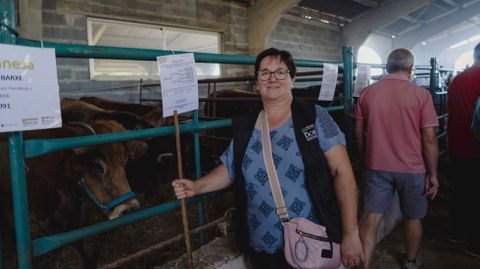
(266, 232)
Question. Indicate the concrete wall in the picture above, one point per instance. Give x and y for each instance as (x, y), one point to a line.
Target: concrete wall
(65, 21)
(307, 39)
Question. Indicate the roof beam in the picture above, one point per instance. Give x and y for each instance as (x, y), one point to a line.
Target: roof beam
(416, 24)
(356, 33)
(368, 3)
(410, 39)
(411, 19)
(450, 2)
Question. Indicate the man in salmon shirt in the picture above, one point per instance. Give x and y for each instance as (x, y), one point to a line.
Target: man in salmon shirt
(395, 124)
(464, 152)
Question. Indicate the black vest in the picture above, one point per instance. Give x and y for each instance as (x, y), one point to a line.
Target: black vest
(319, 182)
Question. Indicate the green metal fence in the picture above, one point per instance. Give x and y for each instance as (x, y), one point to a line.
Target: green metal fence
(20, 149)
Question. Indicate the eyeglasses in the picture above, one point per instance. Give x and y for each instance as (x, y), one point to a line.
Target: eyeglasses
(279, 74)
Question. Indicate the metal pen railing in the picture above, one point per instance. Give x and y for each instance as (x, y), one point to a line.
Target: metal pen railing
(20, 149)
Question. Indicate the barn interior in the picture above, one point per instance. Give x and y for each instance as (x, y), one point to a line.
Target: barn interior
(106, 51)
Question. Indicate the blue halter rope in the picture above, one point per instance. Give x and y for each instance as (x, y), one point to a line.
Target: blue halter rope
(113, 203)
(107, 207)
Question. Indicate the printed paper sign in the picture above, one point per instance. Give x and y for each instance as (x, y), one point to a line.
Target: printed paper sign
(329, 82)
(178, 78)
(29, 94)
(363, 79)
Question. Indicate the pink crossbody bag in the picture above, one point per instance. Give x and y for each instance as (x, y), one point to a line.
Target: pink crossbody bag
(307, 245)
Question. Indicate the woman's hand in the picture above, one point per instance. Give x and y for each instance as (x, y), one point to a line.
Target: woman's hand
(184, 188)
(352, 250)
(213, 181)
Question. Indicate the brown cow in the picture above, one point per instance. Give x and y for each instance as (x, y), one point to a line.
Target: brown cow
(147, 174)
(80, 111)
(56, 181)
(150, 114)
(136, 109)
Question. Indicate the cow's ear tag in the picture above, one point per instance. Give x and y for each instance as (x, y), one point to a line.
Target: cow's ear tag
(309, 132)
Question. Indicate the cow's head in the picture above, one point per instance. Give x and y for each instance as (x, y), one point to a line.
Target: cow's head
(154, 118)
(100, 170)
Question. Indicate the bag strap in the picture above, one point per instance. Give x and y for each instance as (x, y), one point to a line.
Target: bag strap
(281, 210)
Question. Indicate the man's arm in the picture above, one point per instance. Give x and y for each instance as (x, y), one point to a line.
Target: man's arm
(346, 191)
(216, 180)
(360, 136)
(430, 156)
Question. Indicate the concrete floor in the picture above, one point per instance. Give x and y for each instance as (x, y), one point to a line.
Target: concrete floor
(436, 250)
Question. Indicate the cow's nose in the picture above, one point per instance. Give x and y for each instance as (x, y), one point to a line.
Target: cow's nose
(124, 208)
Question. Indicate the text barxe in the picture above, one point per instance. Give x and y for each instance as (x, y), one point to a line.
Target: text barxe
(11, 77)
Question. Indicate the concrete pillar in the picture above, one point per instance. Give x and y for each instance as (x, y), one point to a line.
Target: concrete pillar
(30, 19)
(262, 19)
(380, 44)
(355, 33)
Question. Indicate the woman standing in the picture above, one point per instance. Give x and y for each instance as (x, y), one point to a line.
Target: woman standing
(312, 165)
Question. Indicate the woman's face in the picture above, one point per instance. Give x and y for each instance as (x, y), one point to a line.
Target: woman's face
(273, 79)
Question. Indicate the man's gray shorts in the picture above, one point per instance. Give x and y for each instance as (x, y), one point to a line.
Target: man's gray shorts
(380, 188)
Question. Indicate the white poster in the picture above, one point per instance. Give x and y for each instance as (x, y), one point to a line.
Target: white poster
(178, 78)
(329, 82)
(363, 79)
(29, 97)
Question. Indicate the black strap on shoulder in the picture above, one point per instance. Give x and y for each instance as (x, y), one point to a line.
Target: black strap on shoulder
(242, 131)
(317, 176)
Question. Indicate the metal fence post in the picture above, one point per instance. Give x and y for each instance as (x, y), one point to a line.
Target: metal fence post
(347, 88)
(17, 166)
(20, 201)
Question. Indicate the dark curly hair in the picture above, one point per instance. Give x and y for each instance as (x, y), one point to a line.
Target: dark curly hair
(284, 56)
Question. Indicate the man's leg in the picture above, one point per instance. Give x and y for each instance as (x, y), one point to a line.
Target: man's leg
(368, 235)
(378, 195)
(413, 236)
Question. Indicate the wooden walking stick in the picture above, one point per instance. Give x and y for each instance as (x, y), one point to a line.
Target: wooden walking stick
(186, 230)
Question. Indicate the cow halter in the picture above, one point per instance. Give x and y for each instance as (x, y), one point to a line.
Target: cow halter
(108, 206)
(113, 203)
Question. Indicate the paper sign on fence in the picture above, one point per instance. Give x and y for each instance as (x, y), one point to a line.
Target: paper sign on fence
(363, 79)
(178, 79)
(329, 82)
(29, 93)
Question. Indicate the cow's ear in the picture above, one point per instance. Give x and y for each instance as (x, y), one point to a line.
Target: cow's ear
(136, 149)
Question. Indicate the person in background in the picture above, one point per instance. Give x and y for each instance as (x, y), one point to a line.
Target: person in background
(464, 152)
(395, 124)
(312, 164)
